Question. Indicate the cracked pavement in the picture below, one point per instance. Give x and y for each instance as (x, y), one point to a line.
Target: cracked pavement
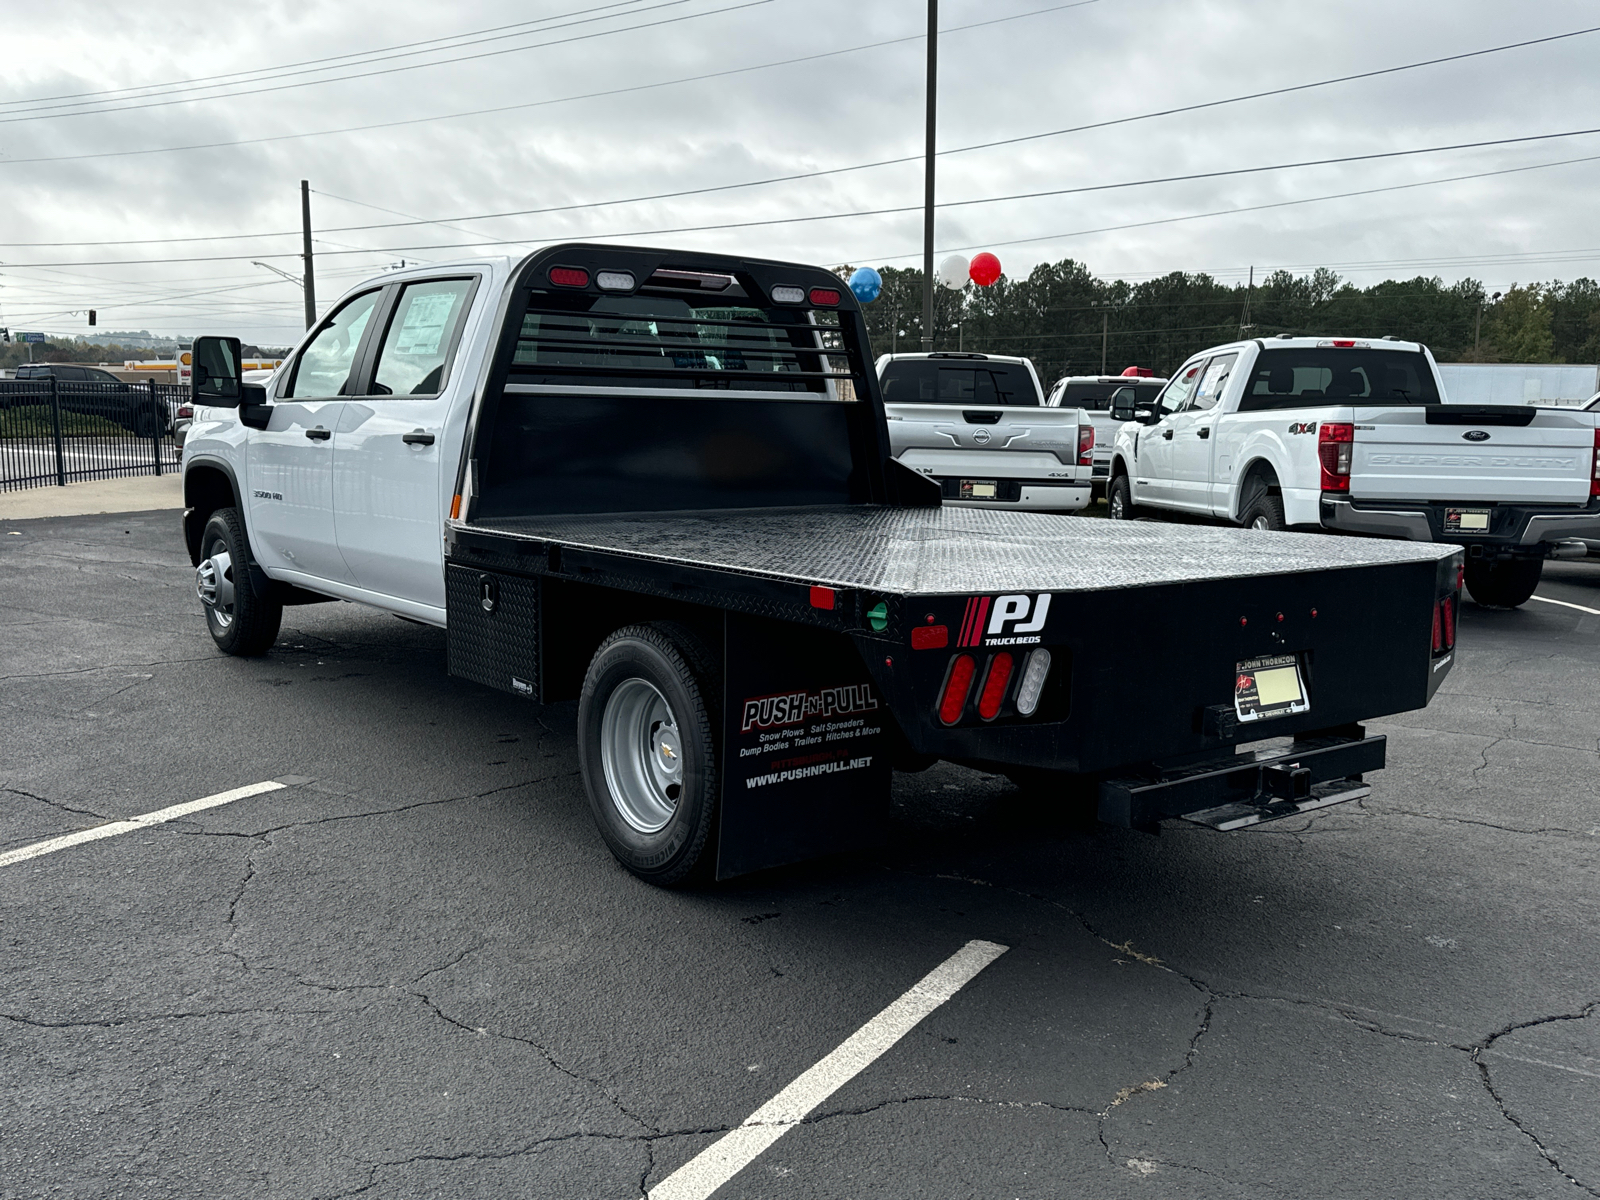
(421, 974)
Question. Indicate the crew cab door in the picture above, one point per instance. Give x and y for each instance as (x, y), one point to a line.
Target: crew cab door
(388, 494)
(1152, 471)
(1193, 437)
(289, 464)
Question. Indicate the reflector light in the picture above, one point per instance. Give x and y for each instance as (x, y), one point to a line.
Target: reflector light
(994, 685)
(824, 297)
(615, 281)
(1447, 609)
(1032, 685)
(784, 294)
(1438, 634)
(1085, 445)
(957, 683)
(455, 508)
(1335, 447)
(1594, 481)
(930, 637)
(568, 276)
(822, 597)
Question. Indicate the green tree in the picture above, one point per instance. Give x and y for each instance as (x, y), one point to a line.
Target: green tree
(1520, 327)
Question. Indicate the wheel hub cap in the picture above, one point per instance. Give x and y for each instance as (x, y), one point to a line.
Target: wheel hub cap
(213, 583)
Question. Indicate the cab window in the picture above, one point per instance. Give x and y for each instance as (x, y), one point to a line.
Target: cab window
(420, 341)
(1181, 388)
(1213, 381)
(323, 368)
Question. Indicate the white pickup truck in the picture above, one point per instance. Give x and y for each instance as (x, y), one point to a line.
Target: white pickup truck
(1092, 394)
(977, 424)
(1353, 435)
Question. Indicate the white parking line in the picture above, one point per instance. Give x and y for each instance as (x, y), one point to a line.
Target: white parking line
(172, 813)
(1565, 604)
(730, 1154)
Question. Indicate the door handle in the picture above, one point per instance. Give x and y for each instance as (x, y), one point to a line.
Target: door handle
(417, 437)
(319, 434)
(1167, 434)
(1206, 432)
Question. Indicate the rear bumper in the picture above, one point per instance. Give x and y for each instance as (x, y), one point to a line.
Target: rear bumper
(1230, 791)
(1510, 525)
(1030, 495)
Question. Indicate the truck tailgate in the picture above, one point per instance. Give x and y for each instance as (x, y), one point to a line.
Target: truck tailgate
(984, 428)
(1459, 452)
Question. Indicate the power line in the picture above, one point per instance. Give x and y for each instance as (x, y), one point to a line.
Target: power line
(582, 37)
(504, 108)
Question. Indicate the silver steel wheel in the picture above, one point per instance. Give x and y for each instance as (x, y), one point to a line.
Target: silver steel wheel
(1261, 522)
(1116, 512)
(642, 754)
(213, 583)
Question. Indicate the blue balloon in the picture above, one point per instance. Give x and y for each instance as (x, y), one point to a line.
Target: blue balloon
(866, 284)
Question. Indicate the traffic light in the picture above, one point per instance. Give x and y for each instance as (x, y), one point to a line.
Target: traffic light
(91, 316)
(5, 335)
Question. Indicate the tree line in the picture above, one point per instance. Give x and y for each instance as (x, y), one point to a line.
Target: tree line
(1069, 322)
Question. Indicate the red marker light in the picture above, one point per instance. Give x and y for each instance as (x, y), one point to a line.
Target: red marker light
(1342, 344)
(1447, 609)
(568, 276)
(994, 686)
(1243, 621)
(822, 597)
(930, 637)
(1280, 617)
(1313, 614)
(957, 683)
(824, 297)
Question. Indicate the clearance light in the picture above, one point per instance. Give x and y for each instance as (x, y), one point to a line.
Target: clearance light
(615, 281)
(1335, 447)
(930, 637)
(821, 597)
(1085, 445)
(824, 297)
(455, 508)
(568, 276)
(1032, 686)
(784, 294)
(995, 683)
(957, 683)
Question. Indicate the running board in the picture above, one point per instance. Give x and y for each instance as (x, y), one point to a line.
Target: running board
(1242, 814)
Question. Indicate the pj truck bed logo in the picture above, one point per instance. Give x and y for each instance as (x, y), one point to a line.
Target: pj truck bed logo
(987, 620)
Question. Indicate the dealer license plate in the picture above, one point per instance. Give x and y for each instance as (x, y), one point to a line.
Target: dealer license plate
(980, 489)
(1466, 520)
(1269, 687)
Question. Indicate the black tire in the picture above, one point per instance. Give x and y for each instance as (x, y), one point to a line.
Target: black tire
(1119, 500)
(1503, 583)
(249, 625)
(1263, 511)
(670, 661)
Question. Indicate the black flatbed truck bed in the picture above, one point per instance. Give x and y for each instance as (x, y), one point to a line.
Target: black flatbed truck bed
(824, 603)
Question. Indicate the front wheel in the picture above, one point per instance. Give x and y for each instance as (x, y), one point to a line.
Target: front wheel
(648, 753)
(1119, 500)
(240, 622)
(1503, 583)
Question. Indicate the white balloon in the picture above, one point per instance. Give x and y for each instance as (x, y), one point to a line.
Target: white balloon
(953, 272)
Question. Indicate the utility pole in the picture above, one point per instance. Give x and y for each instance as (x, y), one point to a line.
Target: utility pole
(1105, 334)
(927, 187)
(1244, 321)
(305, 238)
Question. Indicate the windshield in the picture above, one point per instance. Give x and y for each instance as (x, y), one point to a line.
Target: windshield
(930, 381)
(1096, 397)
(1295, 378)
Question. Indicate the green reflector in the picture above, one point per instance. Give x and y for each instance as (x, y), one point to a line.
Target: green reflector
(878, 617)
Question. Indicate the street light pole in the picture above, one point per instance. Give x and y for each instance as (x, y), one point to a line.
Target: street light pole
(305, 241)
(927, 186)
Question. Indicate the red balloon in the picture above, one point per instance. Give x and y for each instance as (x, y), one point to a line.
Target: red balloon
(985, 269)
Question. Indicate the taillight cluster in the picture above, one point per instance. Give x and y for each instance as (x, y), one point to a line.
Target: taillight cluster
(1086, 445)
(1335, 447)
(1594, 470)
(1444, 625)
(994, 686)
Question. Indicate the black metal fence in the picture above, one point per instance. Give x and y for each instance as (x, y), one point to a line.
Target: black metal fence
(56, 432)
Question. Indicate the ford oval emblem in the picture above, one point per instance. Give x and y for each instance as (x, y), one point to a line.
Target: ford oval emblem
(1476, 435)
(981, 436)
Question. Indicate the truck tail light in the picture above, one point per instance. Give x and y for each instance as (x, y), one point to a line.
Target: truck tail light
(1594, 471)
(1438, 631)
(1032, 685)
(1447, 614)
(1335, 447)
(1085, 445)
(825, 297)
(993, 693)
(568, 276)
(957, 684)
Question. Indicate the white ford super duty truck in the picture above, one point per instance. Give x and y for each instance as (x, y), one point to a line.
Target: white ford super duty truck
(1353, 435)
(977, 424)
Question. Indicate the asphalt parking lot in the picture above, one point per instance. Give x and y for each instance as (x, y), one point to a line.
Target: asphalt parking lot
(412, 969)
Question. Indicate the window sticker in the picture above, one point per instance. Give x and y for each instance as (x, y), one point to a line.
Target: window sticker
(424, 324)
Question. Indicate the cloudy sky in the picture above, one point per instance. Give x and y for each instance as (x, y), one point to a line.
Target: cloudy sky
(126, 125)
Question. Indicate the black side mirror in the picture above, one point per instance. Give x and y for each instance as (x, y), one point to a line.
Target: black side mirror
(216, 380)
(1122, 404)
(254, 410)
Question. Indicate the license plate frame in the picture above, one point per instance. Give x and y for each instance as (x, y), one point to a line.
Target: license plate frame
(1273, 685)
(1468, 520)
(980, 489)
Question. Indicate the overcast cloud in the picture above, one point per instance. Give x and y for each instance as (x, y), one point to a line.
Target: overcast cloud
(1054, 68)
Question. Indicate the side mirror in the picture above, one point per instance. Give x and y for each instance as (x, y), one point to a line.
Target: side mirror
(1147, 416)
(216, 380)
(254, 410)
(1122, 404)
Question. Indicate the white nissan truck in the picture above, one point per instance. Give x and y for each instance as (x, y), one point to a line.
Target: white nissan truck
(977, 425)
(1355, 436)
